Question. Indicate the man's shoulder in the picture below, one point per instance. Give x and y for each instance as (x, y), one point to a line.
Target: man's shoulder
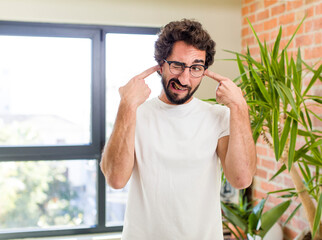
(211, 107)
(147, 105)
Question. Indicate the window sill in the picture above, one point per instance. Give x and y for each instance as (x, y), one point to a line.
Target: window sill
(102, 236)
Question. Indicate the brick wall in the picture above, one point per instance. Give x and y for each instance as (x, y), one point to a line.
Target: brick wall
(267, 16)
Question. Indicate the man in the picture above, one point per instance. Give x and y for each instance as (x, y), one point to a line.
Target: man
(170, 145)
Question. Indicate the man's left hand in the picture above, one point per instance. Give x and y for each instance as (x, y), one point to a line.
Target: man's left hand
(227, 91)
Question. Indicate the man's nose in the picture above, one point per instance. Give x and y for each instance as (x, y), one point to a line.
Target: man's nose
(184, 77)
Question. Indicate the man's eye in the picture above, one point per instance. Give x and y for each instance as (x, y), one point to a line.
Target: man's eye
(176, 65)
(197, 68)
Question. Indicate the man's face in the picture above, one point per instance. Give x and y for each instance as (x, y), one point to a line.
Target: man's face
(179, 88)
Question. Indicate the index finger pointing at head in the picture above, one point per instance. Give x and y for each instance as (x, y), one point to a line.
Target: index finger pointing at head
(148, 72)
(214, 76)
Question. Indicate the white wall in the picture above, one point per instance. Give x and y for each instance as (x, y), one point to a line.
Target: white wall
(222, 19)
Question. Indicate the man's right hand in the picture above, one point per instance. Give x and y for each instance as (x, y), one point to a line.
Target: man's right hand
(136, 91)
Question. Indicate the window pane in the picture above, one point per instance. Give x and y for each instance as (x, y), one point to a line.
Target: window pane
(127, 55)
(47, 195)
(45, 91)
(115, 206)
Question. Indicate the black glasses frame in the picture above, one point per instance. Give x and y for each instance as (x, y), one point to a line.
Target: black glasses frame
(184, 66)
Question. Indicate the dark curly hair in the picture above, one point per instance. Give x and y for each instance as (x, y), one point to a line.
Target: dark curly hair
(189, 31)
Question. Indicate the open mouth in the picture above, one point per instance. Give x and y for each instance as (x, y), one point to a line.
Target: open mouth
(177, 86)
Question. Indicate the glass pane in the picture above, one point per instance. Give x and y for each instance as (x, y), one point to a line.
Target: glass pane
(115, 206)
(37, 195)
(45, 91)
(127, 55)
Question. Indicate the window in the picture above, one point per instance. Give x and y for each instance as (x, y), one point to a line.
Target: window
(58, 101)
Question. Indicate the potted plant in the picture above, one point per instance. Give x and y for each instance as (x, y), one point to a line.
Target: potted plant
(248, 221)
(279, 107)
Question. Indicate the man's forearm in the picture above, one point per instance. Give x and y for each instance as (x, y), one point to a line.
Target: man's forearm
(241, 153)
(118, 156)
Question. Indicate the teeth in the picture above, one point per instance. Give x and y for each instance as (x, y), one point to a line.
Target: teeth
(176, 86)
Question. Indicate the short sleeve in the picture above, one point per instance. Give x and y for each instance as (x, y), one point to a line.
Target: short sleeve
(224, 122)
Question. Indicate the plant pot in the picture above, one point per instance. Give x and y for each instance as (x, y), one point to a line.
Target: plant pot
(254, 238)
(276, 233)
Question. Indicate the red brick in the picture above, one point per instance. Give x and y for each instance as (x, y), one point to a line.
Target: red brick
(294, 4)
(299, 143)
(283, 218)
(250, 40)
(292, 207)
(259, 194)
(245, 10)
(254, 51)
(314, 52)
(271, 153)
(251, 18)
(262, 15)
(249, 1)
(309, 25)
(278, 180)
(258, 27)
(318, 37)
(291, 29)
(269, 24)
(300, 224)
(259, 161)
(284, 42)
(261, 150)
(288, 181)
(304, 40)
(278, 9)
(270, 164)
(310, 1)
(287, 18)
(317, 24)
(317, 91)
(245, 31)
(276, 201)
(273, 34)
(292, 54)
(261, 173)
(244, 44)
(318, 9)
(310, 12)
(267, 187)
(317, 109)
(254, 7)
(263, 37)
(269, 2)
(316, 122)
(299, 15)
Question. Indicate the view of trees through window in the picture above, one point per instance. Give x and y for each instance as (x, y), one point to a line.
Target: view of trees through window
(45, 194)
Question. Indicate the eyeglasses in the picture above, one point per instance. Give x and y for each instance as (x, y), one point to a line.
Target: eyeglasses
(196, 70)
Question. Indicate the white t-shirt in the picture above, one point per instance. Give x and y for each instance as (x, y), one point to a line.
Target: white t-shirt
(175, 186)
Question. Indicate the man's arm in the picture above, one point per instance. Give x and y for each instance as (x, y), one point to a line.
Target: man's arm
(118, 156)
(237, 151)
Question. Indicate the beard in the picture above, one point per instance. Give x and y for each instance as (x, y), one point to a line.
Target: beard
(174, 98)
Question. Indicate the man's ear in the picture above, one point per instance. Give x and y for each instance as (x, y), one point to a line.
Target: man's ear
(160, 70)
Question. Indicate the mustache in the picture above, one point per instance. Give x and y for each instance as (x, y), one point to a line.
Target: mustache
(176, 80)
